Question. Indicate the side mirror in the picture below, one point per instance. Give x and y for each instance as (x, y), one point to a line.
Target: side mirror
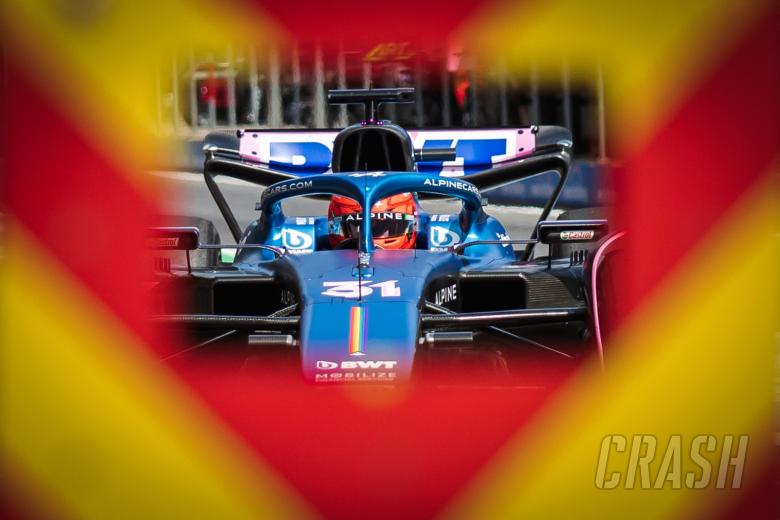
(173, 238)
(569, 231)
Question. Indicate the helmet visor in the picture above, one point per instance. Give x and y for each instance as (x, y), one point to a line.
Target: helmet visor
(383, 225)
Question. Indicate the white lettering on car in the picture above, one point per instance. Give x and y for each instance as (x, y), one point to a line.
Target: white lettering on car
(354, 289)
(457, 185)
(356, 365)
(577, 235)
(292, 186)
(335, 377)
(446, 295)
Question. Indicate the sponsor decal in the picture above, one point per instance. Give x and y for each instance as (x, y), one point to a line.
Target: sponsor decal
(297, 241)
(585, 234)
(503, 237)
(284, 188)
(356, 289)
(162, 242)
(443, 237)
(362, 370)
(451, 184)
(446, 295)
(358, 317)
(474, 153)
(440, 218)
(308, 157)
(337, 377)
(357, 365)
(475, 150)
(382, 215)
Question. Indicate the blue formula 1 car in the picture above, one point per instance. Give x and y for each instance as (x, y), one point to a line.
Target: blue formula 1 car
(354, 311)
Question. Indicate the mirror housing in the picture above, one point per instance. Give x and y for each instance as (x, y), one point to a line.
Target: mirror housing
(571, 231)
(173, 238)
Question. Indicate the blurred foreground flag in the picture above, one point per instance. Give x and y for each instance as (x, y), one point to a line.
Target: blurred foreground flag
(93, 426)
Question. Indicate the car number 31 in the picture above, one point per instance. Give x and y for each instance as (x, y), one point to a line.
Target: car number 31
(355, 289)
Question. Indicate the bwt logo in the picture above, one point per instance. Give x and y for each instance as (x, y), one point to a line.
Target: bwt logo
(473, 155)
(621, 461)
(294, 239)
(311, 157)
(443, 237)
(357, 365)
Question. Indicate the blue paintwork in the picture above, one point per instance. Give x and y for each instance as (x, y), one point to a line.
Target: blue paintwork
(477, 154)
(391, 319)
(317, 157)
(390, 290)
(368, 188)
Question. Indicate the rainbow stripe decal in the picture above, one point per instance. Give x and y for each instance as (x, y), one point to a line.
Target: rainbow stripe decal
(357, 331)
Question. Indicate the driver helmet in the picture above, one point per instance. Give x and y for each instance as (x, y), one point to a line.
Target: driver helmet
(393, 221)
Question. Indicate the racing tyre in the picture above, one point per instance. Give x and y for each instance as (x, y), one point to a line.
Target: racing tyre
(564, 250)
(208, 235)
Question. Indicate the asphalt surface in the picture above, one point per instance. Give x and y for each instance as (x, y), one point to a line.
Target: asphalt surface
(187, 195)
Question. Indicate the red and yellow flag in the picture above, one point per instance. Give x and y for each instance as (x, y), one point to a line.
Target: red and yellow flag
(93, 425)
